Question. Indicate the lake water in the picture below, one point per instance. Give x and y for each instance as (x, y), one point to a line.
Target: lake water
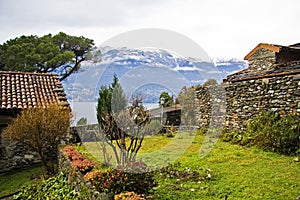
(88, 110)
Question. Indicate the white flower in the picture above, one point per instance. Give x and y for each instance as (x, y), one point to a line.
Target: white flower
(193, 190)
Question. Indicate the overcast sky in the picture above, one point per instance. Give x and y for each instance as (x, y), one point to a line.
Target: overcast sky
(223, 28)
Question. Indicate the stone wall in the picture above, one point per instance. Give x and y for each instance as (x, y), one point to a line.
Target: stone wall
(210, 106)
(247, 98)
(86, 133)
(264, 86)
(263, 59)
(14, 156)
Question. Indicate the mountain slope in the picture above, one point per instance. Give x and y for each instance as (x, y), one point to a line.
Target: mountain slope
(147, 72)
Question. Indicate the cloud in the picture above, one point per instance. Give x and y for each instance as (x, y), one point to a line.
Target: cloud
(18, 17)
(222, 28)
(67, 13)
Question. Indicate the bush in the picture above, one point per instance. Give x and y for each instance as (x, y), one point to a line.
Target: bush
(78, 160)
(276, 133)
(56, 187)
(84, 165)
(41, 130)
(130, 177)
(235, 138)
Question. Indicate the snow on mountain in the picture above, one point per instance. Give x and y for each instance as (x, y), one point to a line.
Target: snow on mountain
(159, 69)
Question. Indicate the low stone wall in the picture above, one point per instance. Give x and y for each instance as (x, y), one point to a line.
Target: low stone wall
(247, 98)
(14, 156)
(76, 179)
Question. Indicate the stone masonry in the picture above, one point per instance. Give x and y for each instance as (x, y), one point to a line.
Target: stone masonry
(247, 98)
(272, 82)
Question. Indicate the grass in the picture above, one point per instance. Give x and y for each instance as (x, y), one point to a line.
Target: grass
(231, 171)
(14, 181)
(236, 172)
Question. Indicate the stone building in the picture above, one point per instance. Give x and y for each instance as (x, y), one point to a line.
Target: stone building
(18, 91)
(272, 82)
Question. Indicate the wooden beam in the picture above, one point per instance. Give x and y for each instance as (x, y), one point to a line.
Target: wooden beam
(270, 47)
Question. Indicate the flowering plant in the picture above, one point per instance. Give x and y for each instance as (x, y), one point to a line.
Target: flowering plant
(128, 196)
(130, 177)
(84, 165)
(79, 161)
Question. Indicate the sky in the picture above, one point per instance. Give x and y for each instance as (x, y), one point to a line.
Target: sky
(223, 28)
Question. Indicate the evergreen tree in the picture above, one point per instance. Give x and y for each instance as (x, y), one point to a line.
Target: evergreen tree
(168, 100)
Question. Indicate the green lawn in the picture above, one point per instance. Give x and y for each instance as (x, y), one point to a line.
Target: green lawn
(236, 172)
(14, 181)
(231, 171)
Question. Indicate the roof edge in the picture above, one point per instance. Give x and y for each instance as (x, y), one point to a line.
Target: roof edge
(271, 47)
(28, 73)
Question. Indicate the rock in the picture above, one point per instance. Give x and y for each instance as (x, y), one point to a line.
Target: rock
(28, 156)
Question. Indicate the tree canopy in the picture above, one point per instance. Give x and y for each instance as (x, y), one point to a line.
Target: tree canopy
(168, 100)
(60, 53)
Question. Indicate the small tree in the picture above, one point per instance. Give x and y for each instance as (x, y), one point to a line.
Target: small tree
(82, 121)
(118, 121)
(40, 129)
(169, 100)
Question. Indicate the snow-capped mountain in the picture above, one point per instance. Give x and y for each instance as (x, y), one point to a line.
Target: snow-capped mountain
(147, 72)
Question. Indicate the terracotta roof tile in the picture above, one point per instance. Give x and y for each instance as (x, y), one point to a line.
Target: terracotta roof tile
(21, 90)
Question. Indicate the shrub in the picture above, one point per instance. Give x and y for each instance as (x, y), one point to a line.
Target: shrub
(79, 161)
(56, 187)
(276, 133)
(69, 148)
(74, 155)
(84, 165)
(235, 138)
(40, 129)
(130, 177)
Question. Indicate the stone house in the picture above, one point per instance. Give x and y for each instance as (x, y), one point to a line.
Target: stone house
(272, 82)
(22, 90)
(171, 115)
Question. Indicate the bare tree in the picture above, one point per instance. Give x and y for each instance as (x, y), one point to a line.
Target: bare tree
(124, 127)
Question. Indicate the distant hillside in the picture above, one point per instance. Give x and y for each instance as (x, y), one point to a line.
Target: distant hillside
(159, 69)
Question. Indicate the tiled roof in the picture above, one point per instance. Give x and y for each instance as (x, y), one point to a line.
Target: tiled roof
(19, 90)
